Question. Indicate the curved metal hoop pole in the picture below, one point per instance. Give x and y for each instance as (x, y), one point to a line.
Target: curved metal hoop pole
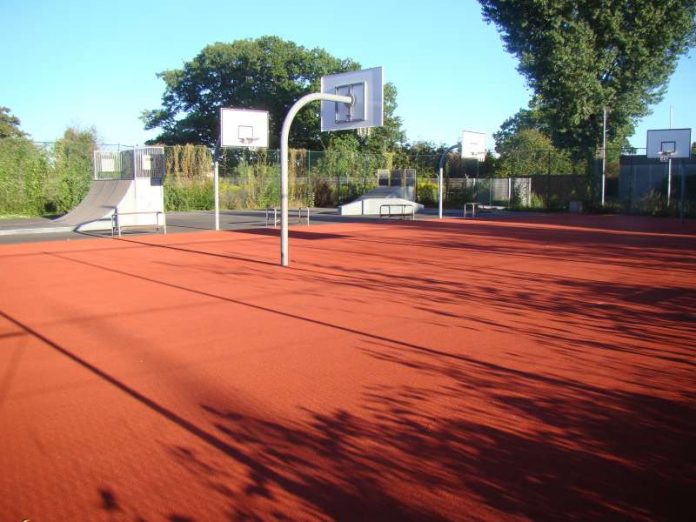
(284, 136)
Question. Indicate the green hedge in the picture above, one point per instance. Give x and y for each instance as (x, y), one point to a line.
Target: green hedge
(38, 181)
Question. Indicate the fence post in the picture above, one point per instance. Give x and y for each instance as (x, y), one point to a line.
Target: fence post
(548, 179)
(631, 195)
(682, 201)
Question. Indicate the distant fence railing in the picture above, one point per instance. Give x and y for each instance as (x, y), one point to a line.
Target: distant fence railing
(642, 185)
(46, 178)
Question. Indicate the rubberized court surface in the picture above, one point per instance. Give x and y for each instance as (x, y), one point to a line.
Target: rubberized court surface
(461, 370)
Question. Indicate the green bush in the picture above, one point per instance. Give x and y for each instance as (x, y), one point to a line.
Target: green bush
(186, 195)
(232, 197)
(426, 191)
(24, 175)
(72, 158)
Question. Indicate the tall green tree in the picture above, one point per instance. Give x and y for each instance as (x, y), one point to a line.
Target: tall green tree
(9, 125)
(267, 73)
(529, 152)
(525, 119)
(73, 156)
(582, 56)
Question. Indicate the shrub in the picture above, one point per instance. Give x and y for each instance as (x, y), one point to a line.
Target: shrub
(24, 175)
(185, 195)
(426, 191)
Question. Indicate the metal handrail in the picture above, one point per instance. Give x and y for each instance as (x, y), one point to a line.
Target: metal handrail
(115, 225)
(402, 206)
(473, 204)
(276, 217)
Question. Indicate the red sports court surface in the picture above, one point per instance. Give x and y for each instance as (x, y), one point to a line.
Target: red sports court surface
(461, 370)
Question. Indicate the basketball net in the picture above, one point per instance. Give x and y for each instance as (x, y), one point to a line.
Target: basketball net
(249, 143)
(665, 156)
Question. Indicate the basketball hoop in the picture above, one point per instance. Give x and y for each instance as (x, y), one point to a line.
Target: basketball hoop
(243, 128)
(666, 155)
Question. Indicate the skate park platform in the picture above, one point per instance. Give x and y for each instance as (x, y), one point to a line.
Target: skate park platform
(372, 203)
(395, 192)
(126, 191)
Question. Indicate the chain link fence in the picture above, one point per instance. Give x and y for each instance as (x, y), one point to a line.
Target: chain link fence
(645, 186)
(46, 178)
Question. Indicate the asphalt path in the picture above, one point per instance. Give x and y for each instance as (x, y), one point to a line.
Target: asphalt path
(31, 230)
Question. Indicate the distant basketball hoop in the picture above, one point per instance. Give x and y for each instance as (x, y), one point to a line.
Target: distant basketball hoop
(243, 128)
(667, 145)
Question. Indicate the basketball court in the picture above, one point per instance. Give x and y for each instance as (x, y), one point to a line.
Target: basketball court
(529, 369)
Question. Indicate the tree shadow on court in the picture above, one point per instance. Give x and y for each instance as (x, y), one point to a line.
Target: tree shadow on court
(292, 233)
(620, 246)
(488, 440)
(488, 446)
(560, 311)
(542, 447)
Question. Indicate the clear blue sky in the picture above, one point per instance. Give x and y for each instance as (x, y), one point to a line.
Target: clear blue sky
(89, 63)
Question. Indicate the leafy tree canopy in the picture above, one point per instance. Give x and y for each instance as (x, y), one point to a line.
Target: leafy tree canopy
(267, 73)
(9, 125)
(77, 145)
(525, 119)
(73, 156)
(581, 56)
(530, 152)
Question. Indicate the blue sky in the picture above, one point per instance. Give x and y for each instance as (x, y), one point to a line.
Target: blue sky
(86, 63)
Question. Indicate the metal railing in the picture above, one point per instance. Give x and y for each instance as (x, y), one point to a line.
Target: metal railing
(117, 225)
(275, 211)
(404, 210)
(473, 206)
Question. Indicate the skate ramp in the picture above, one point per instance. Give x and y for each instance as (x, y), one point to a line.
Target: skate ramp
(129, 182)
(95, 210)
(369, 203)
(139, 202)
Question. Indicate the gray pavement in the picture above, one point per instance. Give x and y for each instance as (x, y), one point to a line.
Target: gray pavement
(26, 230)
(18, 230)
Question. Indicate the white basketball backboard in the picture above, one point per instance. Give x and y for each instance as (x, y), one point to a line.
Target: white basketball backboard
(243, 128)
(473, 145)
(367, 90)
(676, 143)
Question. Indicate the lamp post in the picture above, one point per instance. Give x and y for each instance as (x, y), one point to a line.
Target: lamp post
(604, 153)
(441, 166)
